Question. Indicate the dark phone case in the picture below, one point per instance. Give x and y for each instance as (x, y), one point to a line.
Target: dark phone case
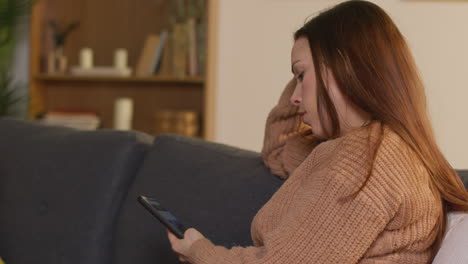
(177, 231)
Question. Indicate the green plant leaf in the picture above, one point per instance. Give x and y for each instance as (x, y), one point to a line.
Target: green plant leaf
(11, 12)
(8, 97)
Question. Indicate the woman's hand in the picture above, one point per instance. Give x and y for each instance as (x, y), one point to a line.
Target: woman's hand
(182, 246)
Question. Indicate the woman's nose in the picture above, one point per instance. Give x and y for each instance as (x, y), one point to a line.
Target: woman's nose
(296, 97)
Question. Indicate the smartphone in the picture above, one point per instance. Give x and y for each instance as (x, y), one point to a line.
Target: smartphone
(163, 215)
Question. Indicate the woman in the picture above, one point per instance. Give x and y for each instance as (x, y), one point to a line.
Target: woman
(366, 182)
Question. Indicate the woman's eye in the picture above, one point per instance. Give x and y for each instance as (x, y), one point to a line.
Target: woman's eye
(300, 77)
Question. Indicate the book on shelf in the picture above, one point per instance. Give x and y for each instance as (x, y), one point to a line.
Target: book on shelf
(151, 55)
(181, 52)
(192, 47)
(188, 48)
(148, 52)
(166, 60)
(156, 63)
(201, 48)
(180, 49)
(73, 119)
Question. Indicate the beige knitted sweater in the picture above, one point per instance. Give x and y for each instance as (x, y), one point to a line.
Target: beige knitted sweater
(310, 220)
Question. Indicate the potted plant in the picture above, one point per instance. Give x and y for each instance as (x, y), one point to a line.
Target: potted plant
(187, 22)
(58, 61)
(12, 12)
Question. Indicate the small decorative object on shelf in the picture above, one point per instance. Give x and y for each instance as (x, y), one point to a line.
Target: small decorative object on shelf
(186, 123)
(121, 59)
(87, 68)
(123, 113)
(86, 58)
(163, 122)
(56, 61)
(177, 122)
(83, 120)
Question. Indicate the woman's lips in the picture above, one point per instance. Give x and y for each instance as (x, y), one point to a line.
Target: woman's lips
(302, 115)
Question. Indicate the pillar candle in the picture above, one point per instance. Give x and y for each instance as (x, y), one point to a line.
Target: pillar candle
(120, 59)
(86, 58)
(123, 113)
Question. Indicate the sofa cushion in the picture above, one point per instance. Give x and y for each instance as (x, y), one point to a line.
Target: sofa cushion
(215, 188)
(455, 244)
(61, 189)
(464, 177)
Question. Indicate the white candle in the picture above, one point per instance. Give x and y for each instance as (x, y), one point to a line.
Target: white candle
(86, 58)
(120, 59)
(123, 113)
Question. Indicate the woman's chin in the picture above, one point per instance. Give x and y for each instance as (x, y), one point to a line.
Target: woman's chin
(318, 133)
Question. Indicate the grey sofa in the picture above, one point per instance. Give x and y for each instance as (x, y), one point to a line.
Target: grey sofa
(69, 196)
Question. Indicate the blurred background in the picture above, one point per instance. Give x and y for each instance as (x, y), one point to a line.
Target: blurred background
(211, 69)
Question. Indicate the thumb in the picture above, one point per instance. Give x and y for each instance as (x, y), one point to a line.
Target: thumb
(193, 234)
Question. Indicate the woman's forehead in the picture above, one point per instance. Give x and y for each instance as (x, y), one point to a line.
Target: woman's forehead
(301, 50)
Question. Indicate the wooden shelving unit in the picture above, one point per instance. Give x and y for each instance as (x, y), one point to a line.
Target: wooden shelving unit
(125, 25)
(130, 79)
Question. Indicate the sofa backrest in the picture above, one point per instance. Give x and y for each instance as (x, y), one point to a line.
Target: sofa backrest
(61, 189)
(215, 188)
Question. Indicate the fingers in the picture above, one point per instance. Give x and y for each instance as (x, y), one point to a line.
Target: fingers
(174, 240)
(172, 237)
(307, 132)
(193, 234)
(284, 137)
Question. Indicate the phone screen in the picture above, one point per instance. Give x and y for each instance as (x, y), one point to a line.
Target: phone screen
(163, 215)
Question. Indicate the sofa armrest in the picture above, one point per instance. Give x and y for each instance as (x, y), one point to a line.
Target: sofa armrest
(61, 190)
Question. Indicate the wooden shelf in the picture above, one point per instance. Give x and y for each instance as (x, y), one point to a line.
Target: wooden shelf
(126, 25)
(116, 79)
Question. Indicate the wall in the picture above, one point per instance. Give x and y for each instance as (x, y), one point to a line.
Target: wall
(20, 67)
(255, 38)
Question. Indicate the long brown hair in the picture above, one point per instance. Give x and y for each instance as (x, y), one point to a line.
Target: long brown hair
(374, 68)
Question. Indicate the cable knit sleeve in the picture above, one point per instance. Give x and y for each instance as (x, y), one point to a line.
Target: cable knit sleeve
(321, 226)
(287, 140)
